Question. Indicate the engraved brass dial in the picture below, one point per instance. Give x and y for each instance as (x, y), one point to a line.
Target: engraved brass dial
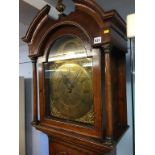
(72, 91)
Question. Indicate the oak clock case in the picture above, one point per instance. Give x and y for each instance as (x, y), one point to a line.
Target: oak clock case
(79, 84)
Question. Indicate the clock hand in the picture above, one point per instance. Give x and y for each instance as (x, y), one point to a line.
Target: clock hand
(61, 76)
(77, 75)
(66, 81)
(71, 83)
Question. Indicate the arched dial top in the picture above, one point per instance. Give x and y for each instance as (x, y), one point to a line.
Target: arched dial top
(68, 76)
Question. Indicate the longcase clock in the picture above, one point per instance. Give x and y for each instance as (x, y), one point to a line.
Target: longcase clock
(79, 84)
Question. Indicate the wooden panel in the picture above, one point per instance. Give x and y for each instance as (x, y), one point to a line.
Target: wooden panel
(62, 148)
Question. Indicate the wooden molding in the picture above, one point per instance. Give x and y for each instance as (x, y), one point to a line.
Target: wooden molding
(37, 20)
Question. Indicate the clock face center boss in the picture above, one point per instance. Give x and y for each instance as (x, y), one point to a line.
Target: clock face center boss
(70, 84)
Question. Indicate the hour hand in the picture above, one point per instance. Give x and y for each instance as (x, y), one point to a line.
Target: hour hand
(76, 77)
(65, 80)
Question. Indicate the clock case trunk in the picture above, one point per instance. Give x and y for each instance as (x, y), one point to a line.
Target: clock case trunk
(87, 22)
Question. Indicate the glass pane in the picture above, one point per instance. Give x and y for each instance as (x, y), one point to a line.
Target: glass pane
(67, 47)
(69, 83)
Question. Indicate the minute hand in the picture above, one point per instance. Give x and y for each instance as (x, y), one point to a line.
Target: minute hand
(77, 75)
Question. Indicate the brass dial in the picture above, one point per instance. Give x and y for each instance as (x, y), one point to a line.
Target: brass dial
(72, 91)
